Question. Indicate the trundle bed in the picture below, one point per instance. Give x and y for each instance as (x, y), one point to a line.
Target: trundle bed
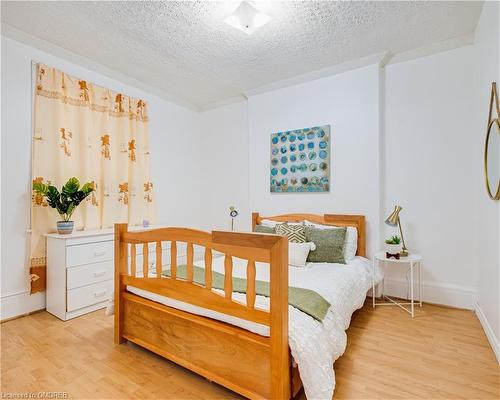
(254, 365)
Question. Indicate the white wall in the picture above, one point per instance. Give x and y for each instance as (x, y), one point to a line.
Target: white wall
(174, 133)
(428, 170)
(225, 167)
(399, 135)
(348, 102)
(487, 212)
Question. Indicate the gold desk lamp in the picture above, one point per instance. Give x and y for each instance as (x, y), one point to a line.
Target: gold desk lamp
(393, 220)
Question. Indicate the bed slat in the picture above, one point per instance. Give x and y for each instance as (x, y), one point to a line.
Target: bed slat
(228, 276)
(145, 260)
(133, 261)
(190, 252)
(208, 268)
(251, 284)
(159, 262)
(173, 259)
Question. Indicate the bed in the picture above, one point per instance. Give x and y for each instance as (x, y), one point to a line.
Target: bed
(258, 346)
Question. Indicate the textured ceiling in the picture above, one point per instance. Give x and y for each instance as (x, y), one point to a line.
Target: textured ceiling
(185, 49)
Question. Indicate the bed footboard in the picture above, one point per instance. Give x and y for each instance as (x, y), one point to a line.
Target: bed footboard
(252, 365)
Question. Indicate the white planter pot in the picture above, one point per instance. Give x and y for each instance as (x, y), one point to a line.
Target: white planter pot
(393, 248)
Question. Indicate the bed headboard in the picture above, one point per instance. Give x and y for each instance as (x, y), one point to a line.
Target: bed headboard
(357, 221)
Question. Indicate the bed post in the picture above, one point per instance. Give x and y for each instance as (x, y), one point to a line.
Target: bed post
(255, 217)
(361, 237)
(121, 258)
(280, 360)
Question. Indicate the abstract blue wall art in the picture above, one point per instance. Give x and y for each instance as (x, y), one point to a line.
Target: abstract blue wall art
(300, 160)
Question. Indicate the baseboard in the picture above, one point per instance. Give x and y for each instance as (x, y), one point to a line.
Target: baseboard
(436, 293)
(16, 304)
(495, 345)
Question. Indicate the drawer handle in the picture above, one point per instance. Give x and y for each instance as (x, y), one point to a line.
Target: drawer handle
(99, 294)
(99, 274)
(99, 253)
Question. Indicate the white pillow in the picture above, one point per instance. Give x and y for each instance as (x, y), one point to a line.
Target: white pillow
(298, 252)
(351, 238)
(272, 224)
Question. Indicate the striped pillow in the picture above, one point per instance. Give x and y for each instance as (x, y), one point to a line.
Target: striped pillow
(294, 233)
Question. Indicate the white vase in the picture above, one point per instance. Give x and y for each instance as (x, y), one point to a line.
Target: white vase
(393, 248)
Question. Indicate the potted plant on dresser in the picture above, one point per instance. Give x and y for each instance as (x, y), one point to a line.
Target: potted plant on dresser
(66, 201)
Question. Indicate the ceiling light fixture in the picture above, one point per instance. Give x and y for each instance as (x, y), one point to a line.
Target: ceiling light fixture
(247, 18)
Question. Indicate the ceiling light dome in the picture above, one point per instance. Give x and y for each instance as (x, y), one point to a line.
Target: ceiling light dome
(247, 18)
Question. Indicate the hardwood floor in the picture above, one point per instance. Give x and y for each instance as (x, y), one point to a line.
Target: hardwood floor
(441, 354)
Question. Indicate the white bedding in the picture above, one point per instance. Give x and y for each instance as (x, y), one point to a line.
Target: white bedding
(314, 345)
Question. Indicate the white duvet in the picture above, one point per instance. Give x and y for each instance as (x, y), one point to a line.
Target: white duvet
(314, 345)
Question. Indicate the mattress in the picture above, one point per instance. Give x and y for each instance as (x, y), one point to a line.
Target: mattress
(314, 345)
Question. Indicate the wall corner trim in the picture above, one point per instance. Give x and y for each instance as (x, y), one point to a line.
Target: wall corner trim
(494, 343)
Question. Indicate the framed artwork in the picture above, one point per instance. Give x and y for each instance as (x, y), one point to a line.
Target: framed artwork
(300, 160)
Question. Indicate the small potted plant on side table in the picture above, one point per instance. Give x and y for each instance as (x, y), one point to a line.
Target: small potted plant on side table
(393, 245)
(65, 202)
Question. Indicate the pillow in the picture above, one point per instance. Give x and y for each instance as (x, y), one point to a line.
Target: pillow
(351, 238)
(329, 244)
(264, 229)
(298, 252)
(272, 224)
(294, 233)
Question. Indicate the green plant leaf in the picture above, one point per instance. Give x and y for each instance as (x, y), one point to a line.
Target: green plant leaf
(87, 188)
(393, 240)
(71, 186)
(53, 196)
(40, 188)
(78, 197)
(65, 203)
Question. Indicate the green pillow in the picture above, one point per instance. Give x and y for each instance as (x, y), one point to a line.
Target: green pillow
(329, 244)
(264, 229)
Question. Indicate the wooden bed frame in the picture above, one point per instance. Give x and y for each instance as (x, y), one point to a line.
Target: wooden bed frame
(252, 365)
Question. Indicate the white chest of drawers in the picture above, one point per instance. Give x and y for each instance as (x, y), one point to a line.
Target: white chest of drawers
(80, 270)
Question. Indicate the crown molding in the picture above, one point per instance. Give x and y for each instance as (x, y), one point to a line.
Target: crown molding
(320, 73)
(17, 35)
(225, 102)
(433, 48)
